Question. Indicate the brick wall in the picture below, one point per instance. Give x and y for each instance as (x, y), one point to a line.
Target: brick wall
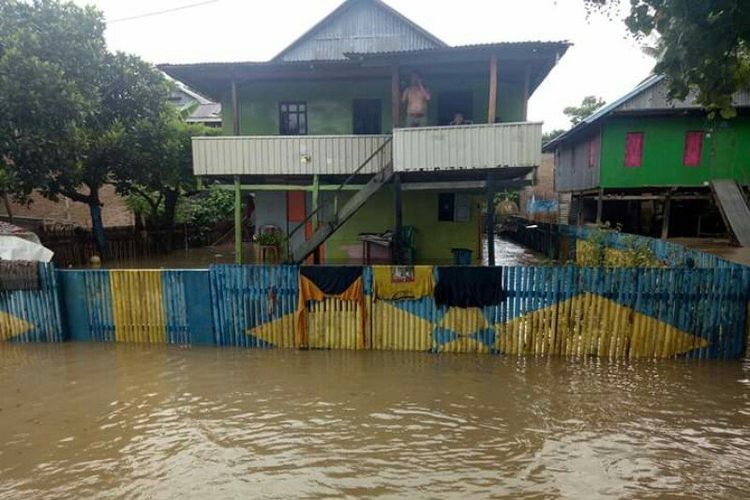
(114, 211)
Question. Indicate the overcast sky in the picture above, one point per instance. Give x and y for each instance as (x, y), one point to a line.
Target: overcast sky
(604, 61)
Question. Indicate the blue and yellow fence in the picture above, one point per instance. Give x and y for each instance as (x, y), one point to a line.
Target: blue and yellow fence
(32, 315)
(571, 311)
(548, 311)
(141, 306)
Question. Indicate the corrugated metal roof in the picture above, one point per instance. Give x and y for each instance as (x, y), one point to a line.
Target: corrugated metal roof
(210, 112)
(649, 95)
(529, 44)
(358, 26)
(603, 111)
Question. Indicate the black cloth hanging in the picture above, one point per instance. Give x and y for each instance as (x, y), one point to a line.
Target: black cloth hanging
(463, 286)
(332, 280)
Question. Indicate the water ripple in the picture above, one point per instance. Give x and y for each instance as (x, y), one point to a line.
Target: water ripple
(111, 421)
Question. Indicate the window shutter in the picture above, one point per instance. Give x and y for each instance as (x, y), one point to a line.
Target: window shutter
(634, 149)
(693, 148)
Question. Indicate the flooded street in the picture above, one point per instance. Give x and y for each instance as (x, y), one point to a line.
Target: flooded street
(114, 421)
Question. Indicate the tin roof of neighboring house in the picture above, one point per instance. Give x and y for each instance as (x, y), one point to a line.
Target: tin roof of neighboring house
(651, 95)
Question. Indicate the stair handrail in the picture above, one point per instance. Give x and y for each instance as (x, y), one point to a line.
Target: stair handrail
(343, 185)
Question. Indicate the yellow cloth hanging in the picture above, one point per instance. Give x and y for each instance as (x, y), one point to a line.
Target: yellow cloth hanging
(309, 291)
(402, 282)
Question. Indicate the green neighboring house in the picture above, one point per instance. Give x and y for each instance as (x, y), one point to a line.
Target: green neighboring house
(317, 136)
(649, 163)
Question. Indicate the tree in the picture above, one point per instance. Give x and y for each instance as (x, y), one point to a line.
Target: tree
(160, 165)
(589, 104)
(703, 45)
(41, 44)
(129, 92)
(66, 104)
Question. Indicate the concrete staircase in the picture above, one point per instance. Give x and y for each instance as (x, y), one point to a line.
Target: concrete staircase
(734, 209)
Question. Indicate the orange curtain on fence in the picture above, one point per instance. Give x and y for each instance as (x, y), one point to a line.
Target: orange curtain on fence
(309, 291)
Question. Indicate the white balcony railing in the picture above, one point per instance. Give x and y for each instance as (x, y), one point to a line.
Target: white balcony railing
(467, 147)
(284, 155)
(412, 149)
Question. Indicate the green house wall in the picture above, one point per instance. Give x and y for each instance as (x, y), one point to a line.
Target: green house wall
(433, 240)
(726, 152)
(329, 103)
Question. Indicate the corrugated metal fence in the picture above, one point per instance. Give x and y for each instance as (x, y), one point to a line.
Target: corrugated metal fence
(557, 310)
(142, 306)
(32, 315)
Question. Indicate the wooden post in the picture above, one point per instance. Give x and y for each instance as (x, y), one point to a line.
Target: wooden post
(526, 77)
(399, 222)
(395, 97)
(316, 217)
(237, 219)
(579, 211)
(490, 219)
(235, 110)
(599, 206)
(667, 211)
(492, 108)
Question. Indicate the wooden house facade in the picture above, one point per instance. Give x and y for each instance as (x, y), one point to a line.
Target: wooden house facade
(654, 165)
(318, 134)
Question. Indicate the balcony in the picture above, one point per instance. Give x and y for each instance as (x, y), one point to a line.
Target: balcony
(502, 145)
(471, 147)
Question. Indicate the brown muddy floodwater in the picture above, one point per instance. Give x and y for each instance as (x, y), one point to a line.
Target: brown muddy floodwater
(107, 421)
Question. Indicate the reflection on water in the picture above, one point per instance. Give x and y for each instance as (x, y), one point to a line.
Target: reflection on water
(508, 253)
(107, 421)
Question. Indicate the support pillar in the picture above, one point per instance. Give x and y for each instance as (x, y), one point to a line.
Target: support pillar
(237, 219)
(316, 217)
(579, 211)
(395, 97)
(599, 206)
(489, 219)
(399, 223)
(667, 212)
(235, 110)
(492, 108)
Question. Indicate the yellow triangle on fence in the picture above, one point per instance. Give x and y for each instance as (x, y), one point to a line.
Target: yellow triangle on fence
(12, 326)
(277, 332)
(589, 324)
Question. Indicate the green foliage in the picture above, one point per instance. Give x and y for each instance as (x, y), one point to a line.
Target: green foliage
(159, 163)
(514, 196)
(552, 134)
(49, 57)
(598, 251)
(703, 45)
(67, 105)
(589, 104)
(207, 208)
(269, 239)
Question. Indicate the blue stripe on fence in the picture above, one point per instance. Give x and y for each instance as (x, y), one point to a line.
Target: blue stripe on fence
(246, 297)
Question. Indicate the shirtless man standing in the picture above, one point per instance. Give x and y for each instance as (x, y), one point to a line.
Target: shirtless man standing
(416, 97)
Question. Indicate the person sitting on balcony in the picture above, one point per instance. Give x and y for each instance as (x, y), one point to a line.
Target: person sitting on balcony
(416, 97)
